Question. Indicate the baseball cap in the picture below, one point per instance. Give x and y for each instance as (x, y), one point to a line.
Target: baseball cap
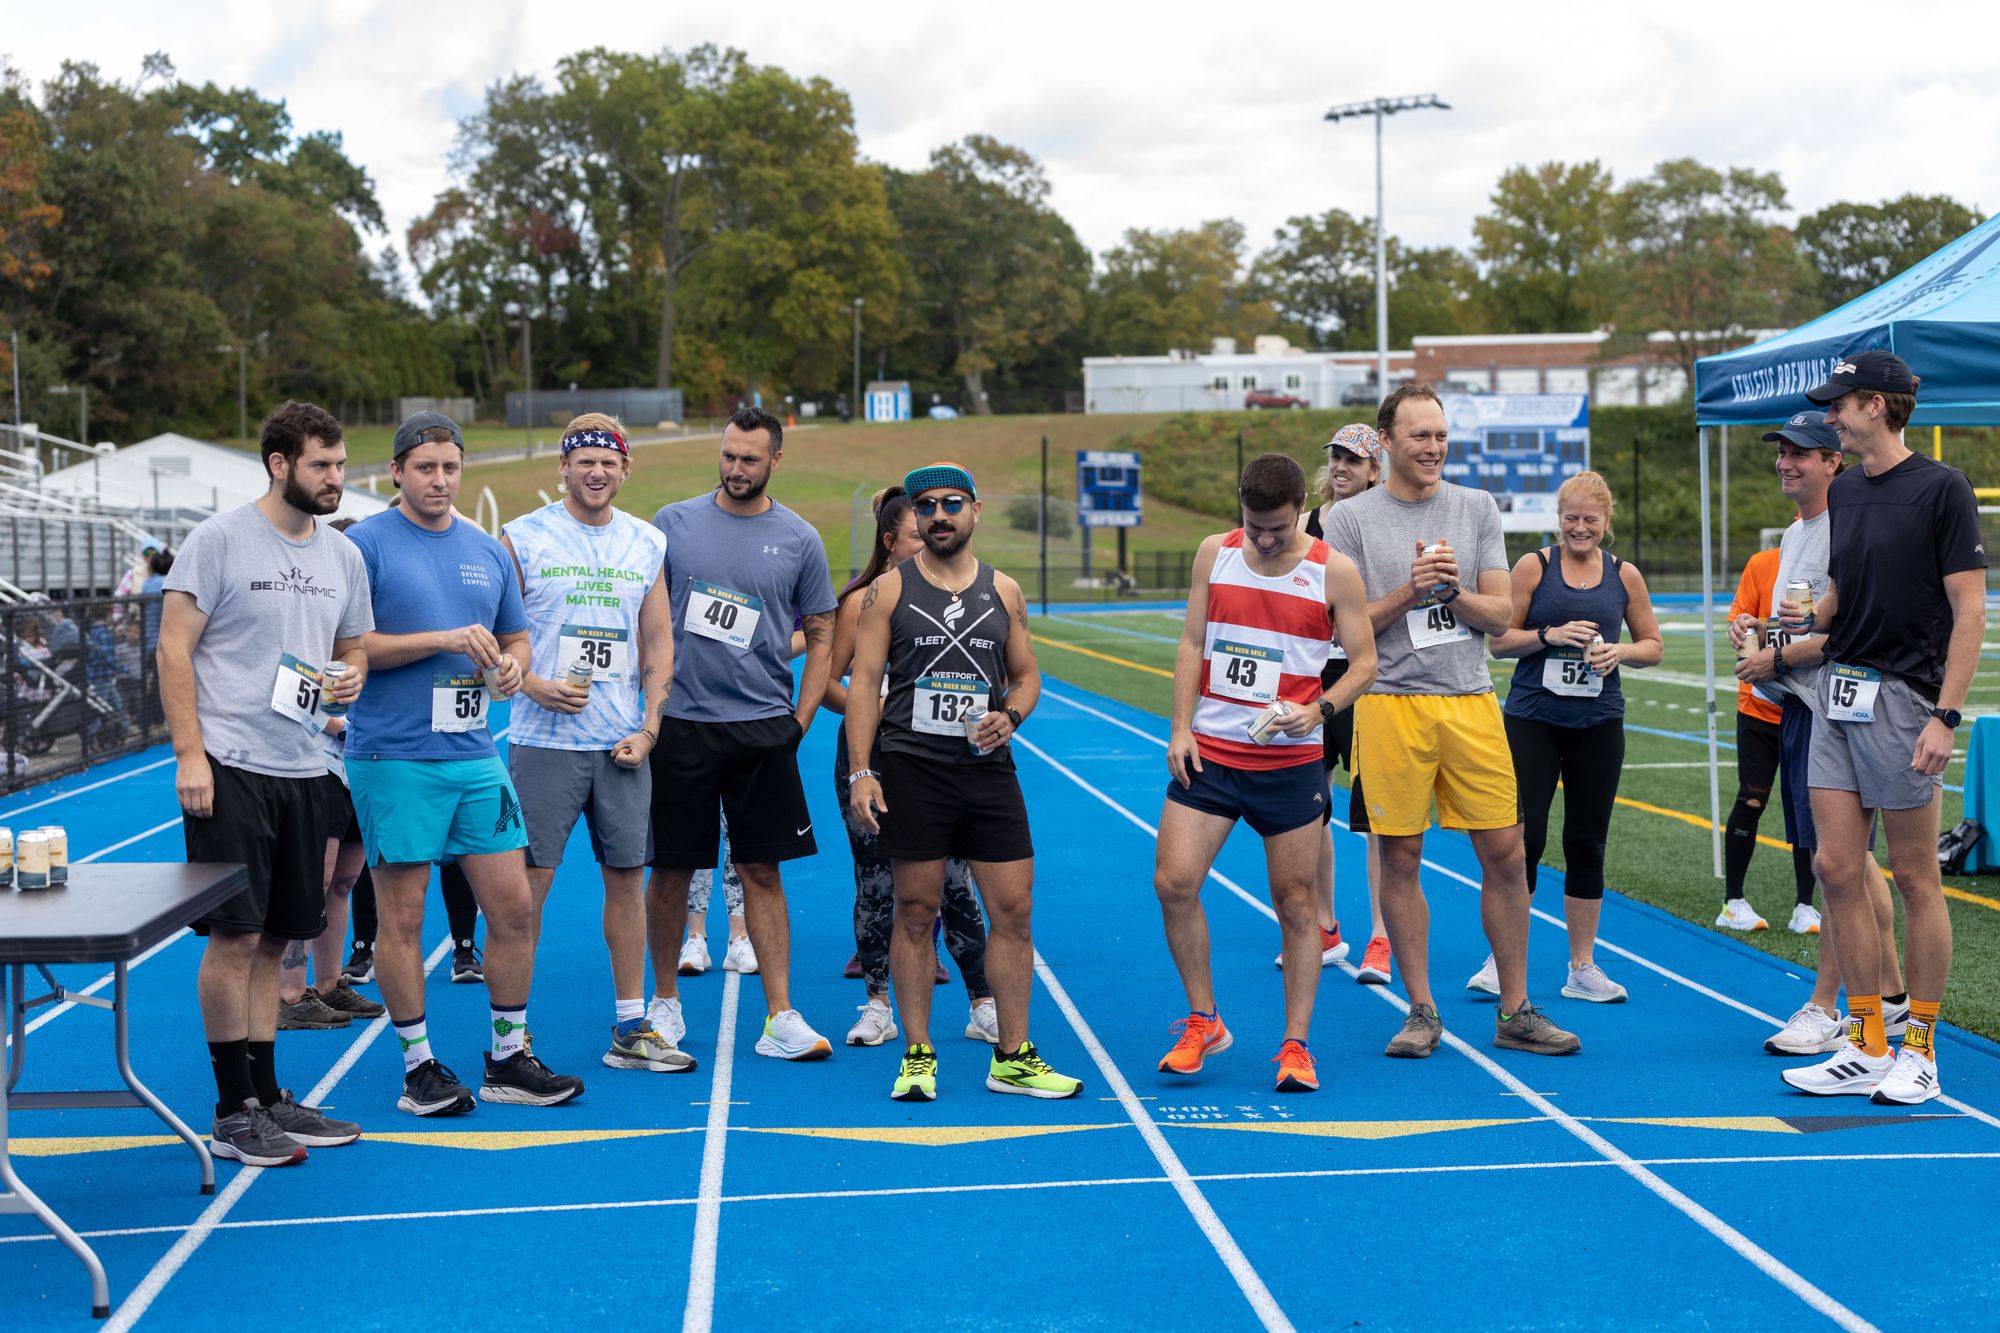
(426, 428)
(939, 474)
(1808, 430)
(1357, 438)
(1873, 372)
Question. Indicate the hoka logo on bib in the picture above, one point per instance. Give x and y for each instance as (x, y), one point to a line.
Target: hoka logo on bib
(510, 812)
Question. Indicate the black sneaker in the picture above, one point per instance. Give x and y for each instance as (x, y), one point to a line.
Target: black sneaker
(309, 1125)
(310, 1013)
(466, 968)
(249, 1135)
(360, 967)
(526, 1081)
(431, 1089)
(347, 1000)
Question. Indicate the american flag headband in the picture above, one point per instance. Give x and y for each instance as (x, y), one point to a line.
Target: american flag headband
(594, 439)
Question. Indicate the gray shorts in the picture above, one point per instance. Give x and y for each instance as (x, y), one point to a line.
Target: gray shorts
(555, 786)
(1872, 759)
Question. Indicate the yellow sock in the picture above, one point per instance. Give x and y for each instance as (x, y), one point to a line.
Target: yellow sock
(1923, 1018)
(1864, 1024)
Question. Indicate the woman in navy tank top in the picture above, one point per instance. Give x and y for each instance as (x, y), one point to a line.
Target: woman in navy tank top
(1565, 711)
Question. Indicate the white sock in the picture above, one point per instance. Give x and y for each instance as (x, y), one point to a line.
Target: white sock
(510, 1031)
(416, 1039)
(630, 1009)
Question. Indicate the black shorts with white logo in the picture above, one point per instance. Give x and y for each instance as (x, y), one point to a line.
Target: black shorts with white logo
(970, 811)
(277, 827)
(1270, 800)
(747, 771)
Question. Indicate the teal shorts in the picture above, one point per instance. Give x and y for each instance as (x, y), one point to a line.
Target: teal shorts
(417, 810)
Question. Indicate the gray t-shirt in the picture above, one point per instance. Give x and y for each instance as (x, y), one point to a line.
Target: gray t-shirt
(1802, 554)
(739, 587)
(265, 596)
(1381, 534)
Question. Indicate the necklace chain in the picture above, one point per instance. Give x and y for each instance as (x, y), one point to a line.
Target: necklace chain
(934, 578)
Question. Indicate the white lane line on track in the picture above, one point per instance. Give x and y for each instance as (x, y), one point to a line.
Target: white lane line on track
(1749, 1250)
(699, 1313)
(134, 1306)
(11, 815)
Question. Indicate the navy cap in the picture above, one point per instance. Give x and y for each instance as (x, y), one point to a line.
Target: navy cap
(426, 428)
(1808, 430)
(1871, 372)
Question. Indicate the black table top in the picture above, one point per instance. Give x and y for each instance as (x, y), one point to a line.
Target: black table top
(111, 912)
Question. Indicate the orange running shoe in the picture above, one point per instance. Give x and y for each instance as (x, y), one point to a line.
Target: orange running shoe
(1295, 1068)
(1199, 1038)
(1374, 970)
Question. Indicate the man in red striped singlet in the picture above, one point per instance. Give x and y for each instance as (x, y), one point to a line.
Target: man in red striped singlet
(1264, 599)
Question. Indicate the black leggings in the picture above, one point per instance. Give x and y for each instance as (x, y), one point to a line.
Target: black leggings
(1587, 760)
(459, 904)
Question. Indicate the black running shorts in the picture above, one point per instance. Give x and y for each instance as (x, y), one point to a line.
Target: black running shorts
(748, 771)
(277, 828)
(970, 811)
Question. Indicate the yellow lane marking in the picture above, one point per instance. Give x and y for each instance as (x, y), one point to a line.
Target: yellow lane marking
(1755, 1124)
(1357, 1129)
(1103, 657)
(931, 1136)
(502, 1140)
(102, 1143)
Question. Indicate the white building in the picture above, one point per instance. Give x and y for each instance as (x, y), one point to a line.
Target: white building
(1225, 379)
(175, 473)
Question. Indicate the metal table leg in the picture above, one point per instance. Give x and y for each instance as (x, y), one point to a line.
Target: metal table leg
(120, 1005)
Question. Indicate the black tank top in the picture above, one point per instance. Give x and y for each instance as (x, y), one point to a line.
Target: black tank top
(1335, 667)
(944, 653)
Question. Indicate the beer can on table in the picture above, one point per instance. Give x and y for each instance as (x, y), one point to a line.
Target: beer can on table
(578, 675)
(1800, 591)
(31, 860)
(6, 858)
(1267, 721)
(975, 713)
(58, 838)
(328, 674)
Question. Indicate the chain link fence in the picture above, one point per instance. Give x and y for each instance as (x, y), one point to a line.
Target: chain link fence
(81, 687)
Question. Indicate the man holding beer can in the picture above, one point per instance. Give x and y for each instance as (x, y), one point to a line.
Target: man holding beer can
(601, 653)
(952, 634)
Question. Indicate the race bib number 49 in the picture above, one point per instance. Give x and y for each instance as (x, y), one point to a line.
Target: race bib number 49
(609, 651)
(1244, 671)
(458, 703)
(723, 615)
(296, 693)
(1433, 623)
(1851, 693)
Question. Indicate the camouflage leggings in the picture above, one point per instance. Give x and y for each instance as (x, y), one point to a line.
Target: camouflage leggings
(703, 884)
(875, 905)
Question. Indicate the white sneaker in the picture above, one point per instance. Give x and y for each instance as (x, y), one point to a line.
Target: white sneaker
(983, 1023)
(694, 956)
(875, 1026)
(1895, 1019)
(741, 957)
(1811, 1031)
(665, 1016)
(1589, 983)
(787, 1037)
(1737, 914)
(1913, 1081)
(1487, 979)
(1850, 1071)
(1805, 919)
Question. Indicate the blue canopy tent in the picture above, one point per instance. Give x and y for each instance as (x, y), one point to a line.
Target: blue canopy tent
(1942, 315)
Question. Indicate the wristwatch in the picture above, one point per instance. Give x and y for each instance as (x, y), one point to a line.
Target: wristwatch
(1779, 666)
(1447, 598)
(1013, 716)
(1951, 717)
(1542, 633)
(1327, 712)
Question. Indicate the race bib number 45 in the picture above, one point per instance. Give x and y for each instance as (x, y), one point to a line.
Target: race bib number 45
(296, 693)
(458, 703)
(609, 651)
(1432, 623)
(1851, 693)
(723, 615)
(1244, 671)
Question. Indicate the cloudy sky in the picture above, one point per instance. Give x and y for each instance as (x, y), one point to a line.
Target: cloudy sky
(1168, 113)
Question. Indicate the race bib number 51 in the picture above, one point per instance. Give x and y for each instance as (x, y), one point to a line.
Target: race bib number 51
(724, 615)
(1244, 671)
(458, 703)
(296, 693)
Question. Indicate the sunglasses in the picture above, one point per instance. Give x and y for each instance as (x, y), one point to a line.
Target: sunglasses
(951, 504)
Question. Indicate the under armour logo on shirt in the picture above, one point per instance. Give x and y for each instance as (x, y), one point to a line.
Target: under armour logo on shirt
(770, 550)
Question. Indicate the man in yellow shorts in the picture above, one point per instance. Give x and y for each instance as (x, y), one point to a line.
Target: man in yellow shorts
(1430, 728)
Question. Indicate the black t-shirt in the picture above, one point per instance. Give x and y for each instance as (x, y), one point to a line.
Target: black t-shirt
(1893, 538)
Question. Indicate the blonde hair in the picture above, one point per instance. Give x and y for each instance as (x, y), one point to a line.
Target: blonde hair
(1323, 479)
(1590, 486)
(595, 421)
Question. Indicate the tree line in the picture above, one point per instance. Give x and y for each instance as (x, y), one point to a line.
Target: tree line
(696, 220)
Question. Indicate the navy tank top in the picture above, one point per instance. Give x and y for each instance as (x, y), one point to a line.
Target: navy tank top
(1553, 685)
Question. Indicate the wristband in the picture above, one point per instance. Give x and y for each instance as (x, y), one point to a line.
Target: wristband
(1447, 600)
(861, 773)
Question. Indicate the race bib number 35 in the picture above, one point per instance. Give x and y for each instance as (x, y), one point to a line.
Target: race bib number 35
(939, 706)
(1565, 672)
(1244, 671)
(723, 615)
(1851, 693)
(609, 651)
(458, 703)
(1432, 624)
(296, 693)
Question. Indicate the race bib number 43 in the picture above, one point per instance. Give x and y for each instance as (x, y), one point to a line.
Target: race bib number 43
(458, 703)
(1244, 671)
(723, 615)
(1851, 693)
(296, 693)
(1432, 624)
(609, 651)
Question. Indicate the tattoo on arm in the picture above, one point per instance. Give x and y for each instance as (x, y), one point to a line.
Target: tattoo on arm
(819, 628)
(868, 598)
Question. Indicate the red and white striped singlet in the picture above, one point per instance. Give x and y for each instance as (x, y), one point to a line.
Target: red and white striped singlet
(1267, 638)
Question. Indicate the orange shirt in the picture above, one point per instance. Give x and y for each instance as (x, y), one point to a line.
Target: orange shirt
(1753, 597)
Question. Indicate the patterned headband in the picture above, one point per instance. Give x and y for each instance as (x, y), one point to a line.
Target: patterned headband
(594, 439)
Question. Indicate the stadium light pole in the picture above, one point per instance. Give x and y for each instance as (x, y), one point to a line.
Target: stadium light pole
(1380, 108)
(82, 392)
(854, 403)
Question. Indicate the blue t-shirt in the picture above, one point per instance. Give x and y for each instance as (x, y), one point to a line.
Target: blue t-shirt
(422, 582)
(725, 572)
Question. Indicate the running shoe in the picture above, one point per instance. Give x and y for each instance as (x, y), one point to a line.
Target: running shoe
(1529, 1029)
(466, 967)
(1332, 948)
(1737, 914)
(431, 1089)
(787, 1037)
(694, 956)
(982, 1023)
(348, 1000)
(1026, 1073)
(251, 1137)
(741, 957)
(1895, 1019)
(1589, 983)
(916, 1080)
(308, 1126)
(309, 1013)
(1487, 979)
(853, 969)
(1422, 1031)
(1811, 1031)
(665, 1016)
(875, 1026)
(1199, 1038)
(644, 1048)
(523, 1080)
(1295, 1068)
(1805, 919)
(1375, 961)
(360, 968)
(1848, 1072)
(1911, 1082)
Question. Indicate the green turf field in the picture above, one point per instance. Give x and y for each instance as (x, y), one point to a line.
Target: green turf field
(1660, 855)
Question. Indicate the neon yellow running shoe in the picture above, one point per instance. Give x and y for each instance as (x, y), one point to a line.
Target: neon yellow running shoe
(916, 1081)
(1027, 1073)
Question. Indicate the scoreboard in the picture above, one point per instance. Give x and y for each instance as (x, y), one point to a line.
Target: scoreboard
(1520, 448)
(1107, 489)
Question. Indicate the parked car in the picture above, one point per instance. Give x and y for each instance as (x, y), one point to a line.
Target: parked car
(1261, 398)
(1364, 394)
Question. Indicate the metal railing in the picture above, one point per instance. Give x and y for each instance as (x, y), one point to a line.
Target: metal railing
(80, 685)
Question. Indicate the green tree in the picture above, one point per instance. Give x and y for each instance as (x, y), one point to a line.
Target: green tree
(1434, 291)
(1170, 289)
(1548, 248)
(1319, 274)
(1854, 248)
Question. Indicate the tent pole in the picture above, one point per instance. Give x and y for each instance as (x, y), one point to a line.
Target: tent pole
(1722, 532)
(1708, 659)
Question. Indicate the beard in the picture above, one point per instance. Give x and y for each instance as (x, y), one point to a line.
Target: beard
(752, 489)
(945, 545)
(310, 502)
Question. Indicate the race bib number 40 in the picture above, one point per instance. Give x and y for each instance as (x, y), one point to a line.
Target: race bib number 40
(458, 703)
(723, 615)
(296, 693)
(609, 651)
(939, 706)
(1432, 623)
(1851, 693)
(1244, 671)
(1565, 672)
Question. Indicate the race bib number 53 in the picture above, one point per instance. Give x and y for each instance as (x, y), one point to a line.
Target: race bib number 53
(724, 615)
(458, 703)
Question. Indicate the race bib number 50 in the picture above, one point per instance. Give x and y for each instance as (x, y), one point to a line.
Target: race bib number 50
(724, 615)
(1244, 671)
(458, 703)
